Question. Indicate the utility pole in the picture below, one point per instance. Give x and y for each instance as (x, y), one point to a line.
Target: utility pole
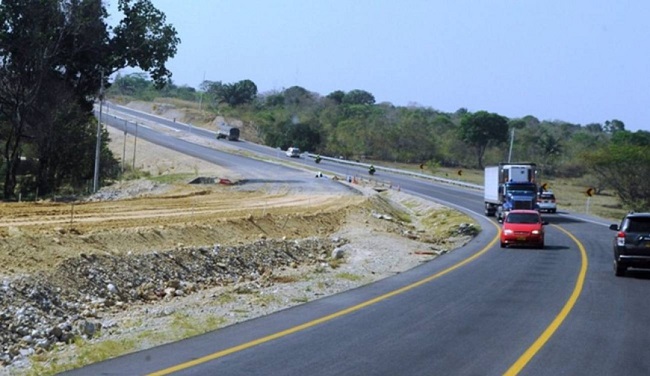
(135, 143)
(98, 143)
(512, 140)
(201, 96)
(124, 146)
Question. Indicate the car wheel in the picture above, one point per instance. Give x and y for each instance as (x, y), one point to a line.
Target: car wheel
(503, 245)
(541, 245)
(619, 268)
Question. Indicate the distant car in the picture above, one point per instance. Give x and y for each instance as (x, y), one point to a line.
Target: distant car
(293, 153)
(523, 227)
(546, 202)
(632, 242)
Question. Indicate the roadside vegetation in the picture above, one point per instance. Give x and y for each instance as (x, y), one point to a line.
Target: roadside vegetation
(571, 158)
(182, 326)
(48, 126)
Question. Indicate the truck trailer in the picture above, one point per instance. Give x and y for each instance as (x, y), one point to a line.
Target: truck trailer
(510, 186)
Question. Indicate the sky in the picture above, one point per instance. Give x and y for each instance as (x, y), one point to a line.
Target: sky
(579, 61)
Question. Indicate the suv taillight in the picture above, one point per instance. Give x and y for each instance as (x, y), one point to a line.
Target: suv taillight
(620, 238)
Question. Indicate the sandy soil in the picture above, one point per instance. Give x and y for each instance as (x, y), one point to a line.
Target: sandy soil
(386, 233)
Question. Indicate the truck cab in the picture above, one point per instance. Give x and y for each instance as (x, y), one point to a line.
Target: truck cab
(510, 186)
(518, 195)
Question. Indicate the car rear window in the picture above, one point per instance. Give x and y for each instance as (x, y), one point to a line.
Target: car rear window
(639, 224)
(522, 218)
(547, 196)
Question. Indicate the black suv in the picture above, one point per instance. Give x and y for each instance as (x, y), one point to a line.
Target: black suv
(632, 242)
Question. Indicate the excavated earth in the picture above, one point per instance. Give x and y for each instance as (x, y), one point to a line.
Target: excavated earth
(129, 263)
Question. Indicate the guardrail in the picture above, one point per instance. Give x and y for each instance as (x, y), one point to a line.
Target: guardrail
(401, 172)
(378, 168)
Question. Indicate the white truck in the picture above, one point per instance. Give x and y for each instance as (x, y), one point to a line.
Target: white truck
(510, 186)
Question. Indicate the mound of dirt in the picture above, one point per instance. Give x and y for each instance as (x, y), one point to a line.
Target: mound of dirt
(91, 268)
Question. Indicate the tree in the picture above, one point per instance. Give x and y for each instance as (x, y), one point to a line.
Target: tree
(134, 84)
(624, 167)
(613, 126)
(336, 96)
(361, 97)
(234, 94)
(638, 138)
(64, 46)
(482, 129)
(142, 39)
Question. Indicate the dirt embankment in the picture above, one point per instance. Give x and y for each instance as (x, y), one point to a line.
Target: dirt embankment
(92, 268)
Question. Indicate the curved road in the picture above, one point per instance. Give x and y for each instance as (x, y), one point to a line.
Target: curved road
(479, 310)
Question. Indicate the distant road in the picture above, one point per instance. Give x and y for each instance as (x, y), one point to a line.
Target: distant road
(479, 310)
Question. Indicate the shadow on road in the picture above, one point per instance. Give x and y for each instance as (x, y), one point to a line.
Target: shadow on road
(559, 219)
(556, 248)
(638, 273)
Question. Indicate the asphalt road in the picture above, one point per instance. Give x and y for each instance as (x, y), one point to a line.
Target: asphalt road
(479, 310)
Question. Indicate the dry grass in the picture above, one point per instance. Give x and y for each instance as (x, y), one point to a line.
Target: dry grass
(570, 193)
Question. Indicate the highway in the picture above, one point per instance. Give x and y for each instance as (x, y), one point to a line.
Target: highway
(479, 310)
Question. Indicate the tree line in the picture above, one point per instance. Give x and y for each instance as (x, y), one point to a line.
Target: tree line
(353, 126)
(55, 59)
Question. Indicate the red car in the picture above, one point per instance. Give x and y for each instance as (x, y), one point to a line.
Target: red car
(523, 227)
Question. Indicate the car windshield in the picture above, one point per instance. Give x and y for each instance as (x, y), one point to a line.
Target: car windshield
(520, 192)
(522, 218)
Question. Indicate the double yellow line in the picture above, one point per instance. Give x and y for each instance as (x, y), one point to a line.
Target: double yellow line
(514, 369)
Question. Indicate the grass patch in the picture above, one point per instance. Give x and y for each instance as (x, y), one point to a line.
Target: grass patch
(383, 205)
(225, 298)
(85, 352)
(443, 223)
(335, 263)
(186, 326)
(322, 285)
(264, 299)
(569, 192)
(172, 178)
(349, 276)
(286, 278)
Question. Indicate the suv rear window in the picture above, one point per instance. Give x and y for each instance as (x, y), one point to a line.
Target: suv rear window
(638, 224)
(548, 196)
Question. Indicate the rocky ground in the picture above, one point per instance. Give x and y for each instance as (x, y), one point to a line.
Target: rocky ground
(143, 263)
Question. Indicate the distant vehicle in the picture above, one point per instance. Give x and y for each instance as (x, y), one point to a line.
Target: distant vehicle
(632, 242)
(293, 152)
(226, 131)
(509, 186)
(523, 227)
(546, 202)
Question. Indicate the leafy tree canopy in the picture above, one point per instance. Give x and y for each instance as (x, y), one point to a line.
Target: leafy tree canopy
(358, 97)
(624, 167)
(55, 57)
(336, 96)
(482, 129)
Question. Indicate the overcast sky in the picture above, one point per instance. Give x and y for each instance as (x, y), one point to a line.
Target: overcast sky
(580, 61)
